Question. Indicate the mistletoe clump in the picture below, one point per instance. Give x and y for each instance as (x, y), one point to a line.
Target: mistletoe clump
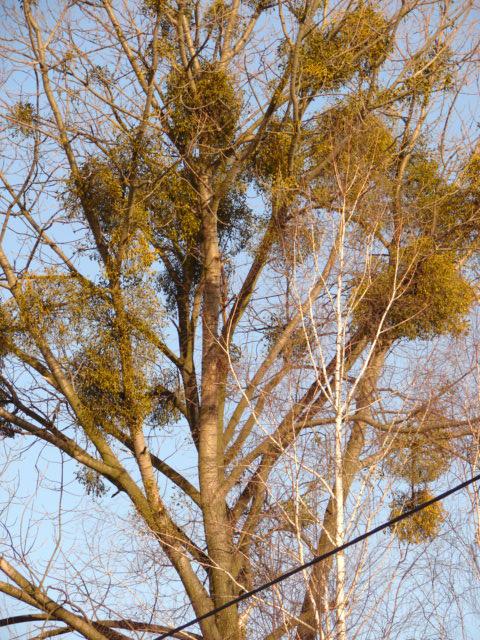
(366, 138)
(421, 296)
(332, 57)
(297, 346)
(297, 512)
(271, 160)
(100, 192)
(204, 108)
(23, 118)
(422, 526)
(440, 205)
(419, 458)
(431, 71)
(279, 160)
(98, 189)
(174, 212)
(355, 147)
(99, 382)
(92, 482)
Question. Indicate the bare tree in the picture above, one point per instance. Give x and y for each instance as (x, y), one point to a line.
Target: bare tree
(238, 250)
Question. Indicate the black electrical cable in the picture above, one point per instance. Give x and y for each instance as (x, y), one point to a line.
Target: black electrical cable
(324, 556)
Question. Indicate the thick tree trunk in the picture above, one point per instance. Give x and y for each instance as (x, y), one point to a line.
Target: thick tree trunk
(217, 530)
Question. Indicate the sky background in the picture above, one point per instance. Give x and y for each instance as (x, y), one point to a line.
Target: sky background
(52, 516)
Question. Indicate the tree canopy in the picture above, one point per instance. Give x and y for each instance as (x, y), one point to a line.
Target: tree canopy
(239, 273)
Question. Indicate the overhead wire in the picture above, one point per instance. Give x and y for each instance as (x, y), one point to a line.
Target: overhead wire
(316, 559)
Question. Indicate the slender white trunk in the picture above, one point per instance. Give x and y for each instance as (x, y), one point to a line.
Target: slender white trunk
(339, 418)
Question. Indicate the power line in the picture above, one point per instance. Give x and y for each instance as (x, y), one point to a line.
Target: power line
(324, 556)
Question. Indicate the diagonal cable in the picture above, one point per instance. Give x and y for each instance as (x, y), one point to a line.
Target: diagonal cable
(324, 556)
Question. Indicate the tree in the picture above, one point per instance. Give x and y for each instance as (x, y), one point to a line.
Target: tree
(234, 225)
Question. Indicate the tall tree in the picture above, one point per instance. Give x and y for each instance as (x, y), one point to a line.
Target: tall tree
(235, 225)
